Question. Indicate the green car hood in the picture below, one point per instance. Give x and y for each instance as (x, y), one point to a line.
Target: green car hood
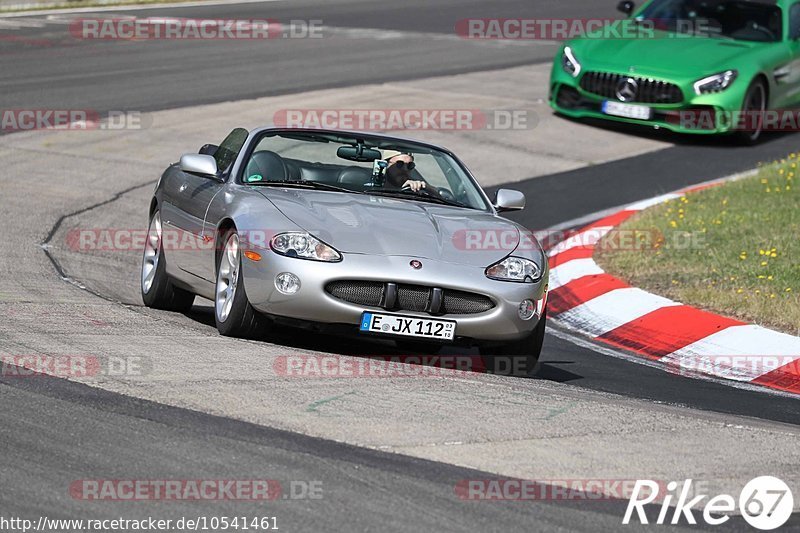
(665, 55)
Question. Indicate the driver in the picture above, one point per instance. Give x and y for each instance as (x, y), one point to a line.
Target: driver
(397, 173)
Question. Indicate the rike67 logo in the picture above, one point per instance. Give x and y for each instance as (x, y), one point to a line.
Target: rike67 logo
(765, 503)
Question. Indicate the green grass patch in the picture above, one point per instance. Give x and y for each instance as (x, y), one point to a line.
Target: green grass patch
(732, 249)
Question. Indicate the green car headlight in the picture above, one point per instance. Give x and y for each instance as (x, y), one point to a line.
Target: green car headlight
(568, 62)
(303, 246)
(515, 269)
(716, 83)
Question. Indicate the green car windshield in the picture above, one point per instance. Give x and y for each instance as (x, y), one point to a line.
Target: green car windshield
(756, 21)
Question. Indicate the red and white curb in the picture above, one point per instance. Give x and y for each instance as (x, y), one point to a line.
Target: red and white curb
(680, 338)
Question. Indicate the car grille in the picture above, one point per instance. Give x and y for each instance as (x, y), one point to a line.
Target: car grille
(649, 91)
(405, 297)
(358, 292)
(465, 303)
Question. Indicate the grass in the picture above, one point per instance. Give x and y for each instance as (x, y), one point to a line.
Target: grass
(732, 249)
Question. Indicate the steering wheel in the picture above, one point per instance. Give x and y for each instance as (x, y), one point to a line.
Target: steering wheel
(421, 191)
(764, 30)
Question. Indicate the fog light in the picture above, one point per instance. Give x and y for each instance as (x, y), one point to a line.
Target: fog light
(287, 283)
(526, 309)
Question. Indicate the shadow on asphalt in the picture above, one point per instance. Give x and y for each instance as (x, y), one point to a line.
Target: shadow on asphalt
(301, 339)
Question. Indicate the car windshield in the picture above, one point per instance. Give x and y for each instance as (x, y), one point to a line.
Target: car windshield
(755, 20)
(361, 165)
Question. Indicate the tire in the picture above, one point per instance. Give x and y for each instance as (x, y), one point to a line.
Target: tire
(157, 289)
(755, 101)
(233, 314)
(529, 347)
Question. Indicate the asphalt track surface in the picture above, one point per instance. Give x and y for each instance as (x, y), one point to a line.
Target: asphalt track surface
(78, 429)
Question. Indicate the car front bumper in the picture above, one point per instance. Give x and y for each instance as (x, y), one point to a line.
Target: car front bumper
(696, 114)
(314, 305)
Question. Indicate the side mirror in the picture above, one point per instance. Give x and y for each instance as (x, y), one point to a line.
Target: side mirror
(509, 200)
(208, 149)
(626, 6)
(201, 165)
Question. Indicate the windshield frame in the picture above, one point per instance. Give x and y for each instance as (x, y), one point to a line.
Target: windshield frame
(258, 135)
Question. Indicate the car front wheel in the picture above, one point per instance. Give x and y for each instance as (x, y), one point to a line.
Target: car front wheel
(516, 358)
(753, 110)
(233, 314)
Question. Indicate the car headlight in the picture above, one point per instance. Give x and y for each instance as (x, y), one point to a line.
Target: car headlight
(569, 63)
(716, 83)
(515, 269)
(303, 246)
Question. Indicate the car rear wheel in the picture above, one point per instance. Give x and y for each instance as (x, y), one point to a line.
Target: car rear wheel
(233, 314)
(516, 358)
(157, 289)
(753, 108)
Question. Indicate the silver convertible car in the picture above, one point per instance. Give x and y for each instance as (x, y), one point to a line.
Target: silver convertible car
(345, 232)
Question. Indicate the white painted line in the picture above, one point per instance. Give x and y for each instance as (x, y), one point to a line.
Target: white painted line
(612, 309)
(22, 23)
(742, 353)
(554, 326)
(644, 204)
(137, 7)
(597, 215)
(577, 268)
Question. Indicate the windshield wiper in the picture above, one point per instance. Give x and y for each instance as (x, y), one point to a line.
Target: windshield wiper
(414, 196)
(303, 184)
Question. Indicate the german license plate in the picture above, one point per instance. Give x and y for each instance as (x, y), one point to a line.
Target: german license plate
(627, 110)
(408, 326)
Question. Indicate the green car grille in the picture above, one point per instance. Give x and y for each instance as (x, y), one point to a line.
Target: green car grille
(647, 91)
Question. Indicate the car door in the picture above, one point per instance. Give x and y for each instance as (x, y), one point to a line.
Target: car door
(787, 72)
(186, 201)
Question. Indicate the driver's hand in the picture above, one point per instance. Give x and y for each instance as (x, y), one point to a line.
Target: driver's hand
(414, 185)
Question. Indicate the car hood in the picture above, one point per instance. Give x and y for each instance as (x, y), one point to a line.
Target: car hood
(665, 55)
(376, 225)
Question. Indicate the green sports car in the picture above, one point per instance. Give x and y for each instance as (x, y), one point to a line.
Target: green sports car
(691, 66)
